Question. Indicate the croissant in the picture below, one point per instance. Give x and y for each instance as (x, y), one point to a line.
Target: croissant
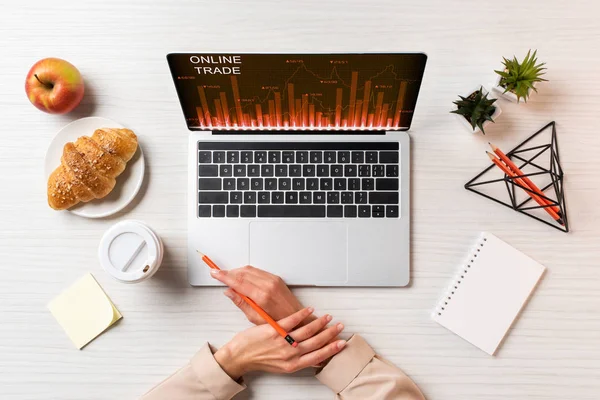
(89, 166)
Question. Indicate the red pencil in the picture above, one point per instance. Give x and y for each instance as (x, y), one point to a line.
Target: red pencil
(255, 306)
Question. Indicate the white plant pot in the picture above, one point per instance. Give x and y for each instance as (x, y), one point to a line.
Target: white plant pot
(463, 121)
(499, 91)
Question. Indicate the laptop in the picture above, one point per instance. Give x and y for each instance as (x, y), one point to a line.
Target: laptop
(299, 164)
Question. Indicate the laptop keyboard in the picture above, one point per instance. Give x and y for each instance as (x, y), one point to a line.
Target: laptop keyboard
(298, 180)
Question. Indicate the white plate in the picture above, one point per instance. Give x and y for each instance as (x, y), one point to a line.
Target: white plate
(128, 183)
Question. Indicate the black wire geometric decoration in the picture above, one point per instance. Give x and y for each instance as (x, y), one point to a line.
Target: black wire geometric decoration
(529, 160)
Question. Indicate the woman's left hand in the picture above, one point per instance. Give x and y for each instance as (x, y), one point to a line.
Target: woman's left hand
(261, 348)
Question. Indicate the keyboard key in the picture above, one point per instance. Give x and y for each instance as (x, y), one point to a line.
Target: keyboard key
(204, 211)
(308, 170)
(364, 170)
(337, 170)
(391, 171)
(229, 184)
(360, 197)
(213, 197)
(253, 170)
(208, 170)
(266, 170)
(353, 184)
(347, 198)
(204, 157)
(305, 197)
(235, 197)
(281, 170)
(247, 157)
(249, 197)
(264, 198)
(243, 184)
(371, 157)
(260, 157)
(218, 211)
(274, 157)
(383, 197)
(302, 157)
(291, 211)
(287, 157)
(386, 184)
(368, 184)
(319, 197)
(277, 198)
(349, 170)
(378, 171)
(233, 211)
(271, 184)
(316, 157)
(388, 157)
(219, 157)
(256, 184)
(391, 211)
(350, 211)
(285, 184)
(343, 157)
(339, 184)
(248, 211)
(326, 184)
(226, 170)
(312, 184)
(335, 211)
(358, 157)
(364, 211)
(209, 184)
(233, 157)
(329, 157)
(298, 184)
(323, 170)
(378, 211)
(333, 197)
(291, 197)
(239, 170)
(295, 170)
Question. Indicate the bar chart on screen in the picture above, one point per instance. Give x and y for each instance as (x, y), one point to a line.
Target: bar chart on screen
(297, 91)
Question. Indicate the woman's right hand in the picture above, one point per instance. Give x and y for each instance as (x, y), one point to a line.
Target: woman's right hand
(261, 348)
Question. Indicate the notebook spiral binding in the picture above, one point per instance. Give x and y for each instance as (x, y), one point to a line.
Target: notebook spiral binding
(460, 276)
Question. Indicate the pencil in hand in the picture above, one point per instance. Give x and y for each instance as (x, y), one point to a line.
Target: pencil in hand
(254, 306)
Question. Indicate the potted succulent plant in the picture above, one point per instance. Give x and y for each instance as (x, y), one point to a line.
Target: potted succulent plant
(476, 110)
(518, 79)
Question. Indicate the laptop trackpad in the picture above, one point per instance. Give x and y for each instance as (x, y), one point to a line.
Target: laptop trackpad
(302, 253)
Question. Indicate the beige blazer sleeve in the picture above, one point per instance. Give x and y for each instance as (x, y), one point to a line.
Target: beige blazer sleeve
(358, 373)
(202, 379)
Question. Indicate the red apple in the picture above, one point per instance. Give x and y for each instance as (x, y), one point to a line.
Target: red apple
(54, 86)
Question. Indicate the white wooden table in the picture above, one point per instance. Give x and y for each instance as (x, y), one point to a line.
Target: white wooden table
(553, 351)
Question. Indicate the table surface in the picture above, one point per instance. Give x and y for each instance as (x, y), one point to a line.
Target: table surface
(553, 351)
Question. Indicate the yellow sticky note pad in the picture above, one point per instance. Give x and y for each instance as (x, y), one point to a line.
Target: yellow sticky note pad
(84, 311)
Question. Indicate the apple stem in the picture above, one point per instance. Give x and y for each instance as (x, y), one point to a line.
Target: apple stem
(48, 85)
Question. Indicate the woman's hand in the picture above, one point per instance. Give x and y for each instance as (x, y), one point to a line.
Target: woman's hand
(260, 348)
(267, 290)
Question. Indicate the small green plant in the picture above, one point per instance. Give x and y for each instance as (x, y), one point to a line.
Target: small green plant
(519, 78)
(476, 108)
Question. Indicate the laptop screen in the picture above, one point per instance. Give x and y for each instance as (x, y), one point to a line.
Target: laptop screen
(297, 92)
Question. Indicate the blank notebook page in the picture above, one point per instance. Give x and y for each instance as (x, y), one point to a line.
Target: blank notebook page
(488, 292)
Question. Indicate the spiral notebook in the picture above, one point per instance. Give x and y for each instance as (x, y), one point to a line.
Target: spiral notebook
(488, 293)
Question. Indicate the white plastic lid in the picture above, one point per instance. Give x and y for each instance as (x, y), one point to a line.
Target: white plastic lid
(130, 251)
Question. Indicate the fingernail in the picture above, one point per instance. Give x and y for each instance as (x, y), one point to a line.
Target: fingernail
(310, 310)
(340, 327)
(215, 272)
(228, 294)
(341, 344)
(328, 318)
